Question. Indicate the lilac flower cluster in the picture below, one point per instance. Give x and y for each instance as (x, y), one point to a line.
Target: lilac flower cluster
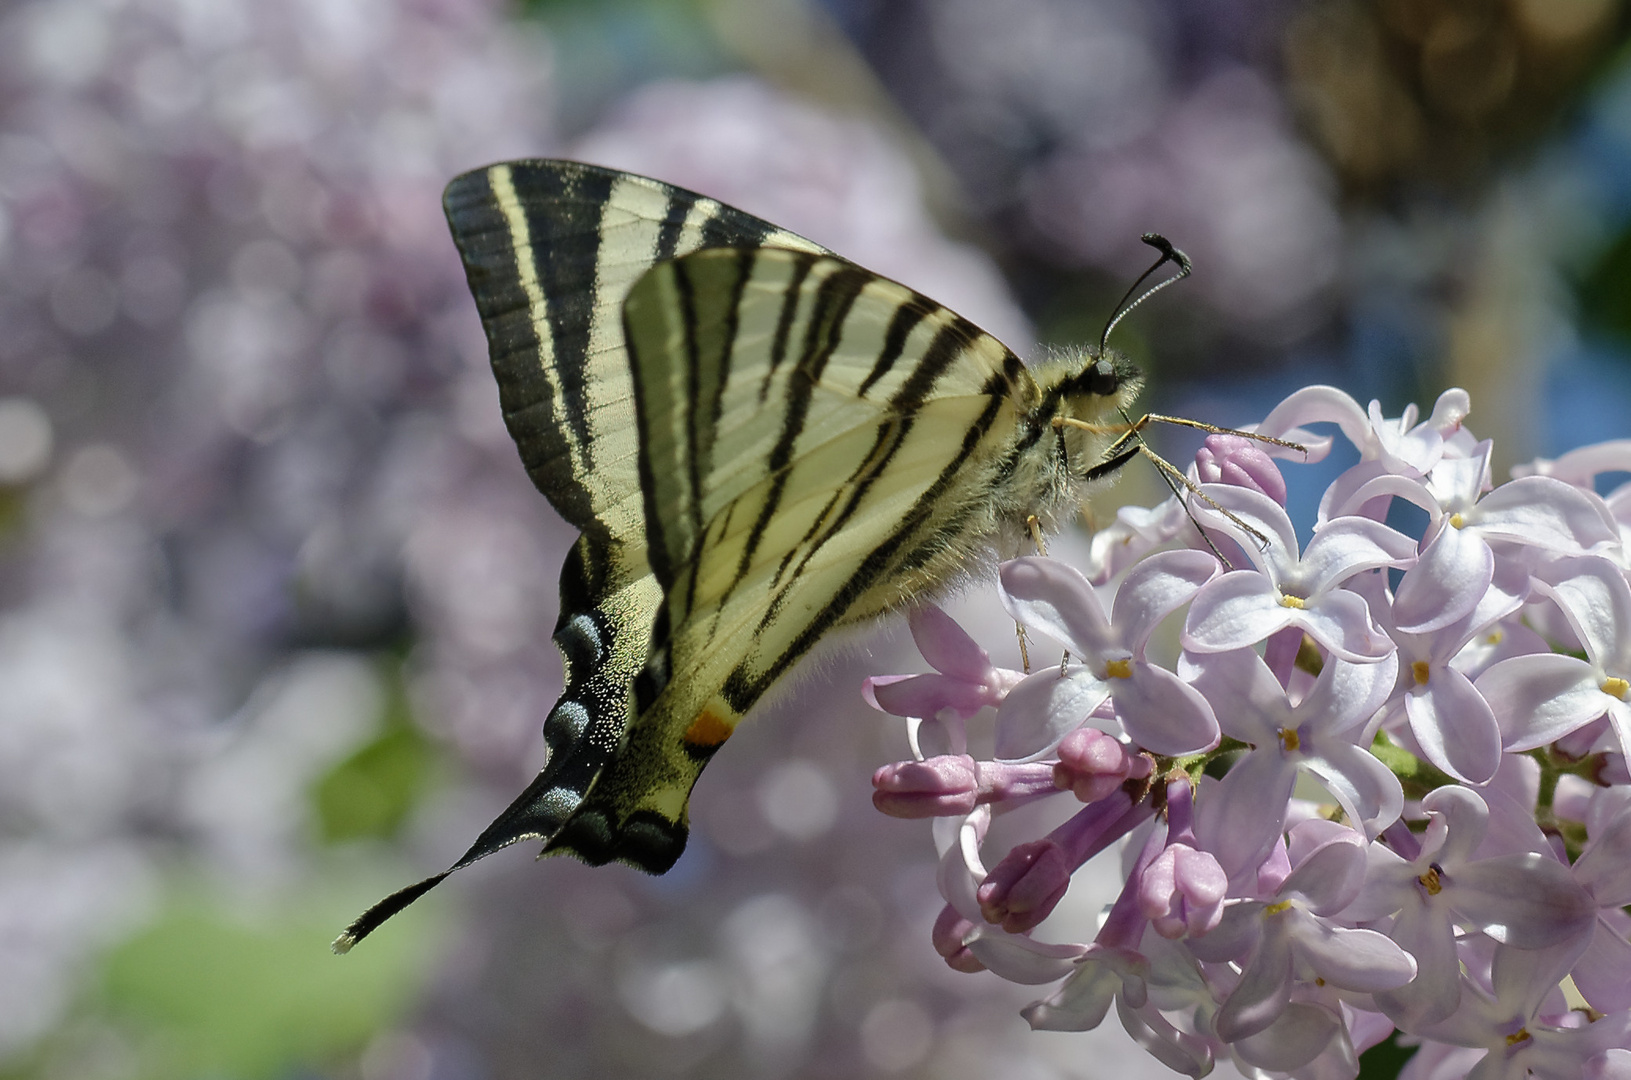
(1381, 785)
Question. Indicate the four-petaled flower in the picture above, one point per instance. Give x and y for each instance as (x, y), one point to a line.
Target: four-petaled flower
(1158, 710)
(1288, 588)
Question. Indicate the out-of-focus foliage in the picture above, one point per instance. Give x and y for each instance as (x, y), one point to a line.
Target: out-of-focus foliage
(1605, 292)
(207, 991)
(371, 793)
(1436, 90)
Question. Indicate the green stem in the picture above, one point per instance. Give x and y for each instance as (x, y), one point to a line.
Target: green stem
(1418, 777)
(1553, 767)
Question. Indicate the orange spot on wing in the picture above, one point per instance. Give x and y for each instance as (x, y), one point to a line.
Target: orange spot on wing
(707, 730)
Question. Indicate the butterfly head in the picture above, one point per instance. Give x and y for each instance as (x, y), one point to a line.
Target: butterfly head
(1102, 375)
(1097, 386)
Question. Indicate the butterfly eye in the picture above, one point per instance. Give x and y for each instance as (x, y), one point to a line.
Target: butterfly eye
(1101, 378)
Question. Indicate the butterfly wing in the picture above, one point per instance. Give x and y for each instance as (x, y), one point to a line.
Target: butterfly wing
(818, 445)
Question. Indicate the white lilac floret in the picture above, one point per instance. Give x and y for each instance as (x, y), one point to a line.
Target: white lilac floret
(1246, 814)
(1287, 587)
(1293, 933)
(1541, 698)
(1525, 899)
(1604, 871)
(1159, 710)
(1458, 698)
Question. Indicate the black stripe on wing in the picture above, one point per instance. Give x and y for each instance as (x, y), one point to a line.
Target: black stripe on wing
(675, 531)
(942, 351)
(534, 381)
(824, 329)
(562, 208)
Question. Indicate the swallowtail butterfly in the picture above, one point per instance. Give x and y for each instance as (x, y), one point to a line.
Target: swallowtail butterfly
(760, 443)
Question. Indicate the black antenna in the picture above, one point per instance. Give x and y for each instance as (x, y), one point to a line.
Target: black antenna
(1168, 254)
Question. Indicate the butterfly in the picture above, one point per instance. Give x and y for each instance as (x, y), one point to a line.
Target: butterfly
(761, 443)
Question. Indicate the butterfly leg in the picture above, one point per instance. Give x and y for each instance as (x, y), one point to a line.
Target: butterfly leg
(1130, 431)
(1033, 525)
(1131, 443)
(1118, 455)
(1213, 429)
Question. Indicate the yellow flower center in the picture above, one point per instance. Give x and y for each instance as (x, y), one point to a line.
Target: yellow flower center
(1419, 671)
(1431, 882)
(1521, 1035)
(1457, 521)
(1289, 740)
(1275, 909)
(1119, 669)
(1296, 602)
(1616, 687)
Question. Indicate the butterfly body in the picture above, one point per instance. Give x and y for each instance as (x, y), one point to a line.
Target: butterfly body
(761, 443)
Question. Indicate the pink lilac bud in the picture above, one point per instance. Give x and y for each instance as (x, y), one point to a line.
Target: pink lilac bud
(953, 784)
(1024, 887)
(950, 929)
(938, 787)
(1093, 764)
(1232, 459)
(1182, 890)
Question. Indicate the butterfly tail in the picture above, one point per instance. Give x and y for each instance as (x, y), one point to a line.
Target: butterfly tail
(370, 920)
(603, 634)
(541, 812)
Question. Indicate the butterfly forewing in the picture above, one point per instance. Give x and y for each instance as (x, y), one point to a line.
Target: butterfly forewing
(772, 397)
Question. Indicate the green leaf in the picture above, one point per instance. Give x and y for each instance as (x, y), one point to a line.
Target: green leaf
(370, 793)
(208, 992)
(1385, 1060)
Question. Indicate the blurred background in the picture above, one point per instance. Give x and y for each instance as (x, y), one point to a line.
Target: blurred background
(275, 595)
